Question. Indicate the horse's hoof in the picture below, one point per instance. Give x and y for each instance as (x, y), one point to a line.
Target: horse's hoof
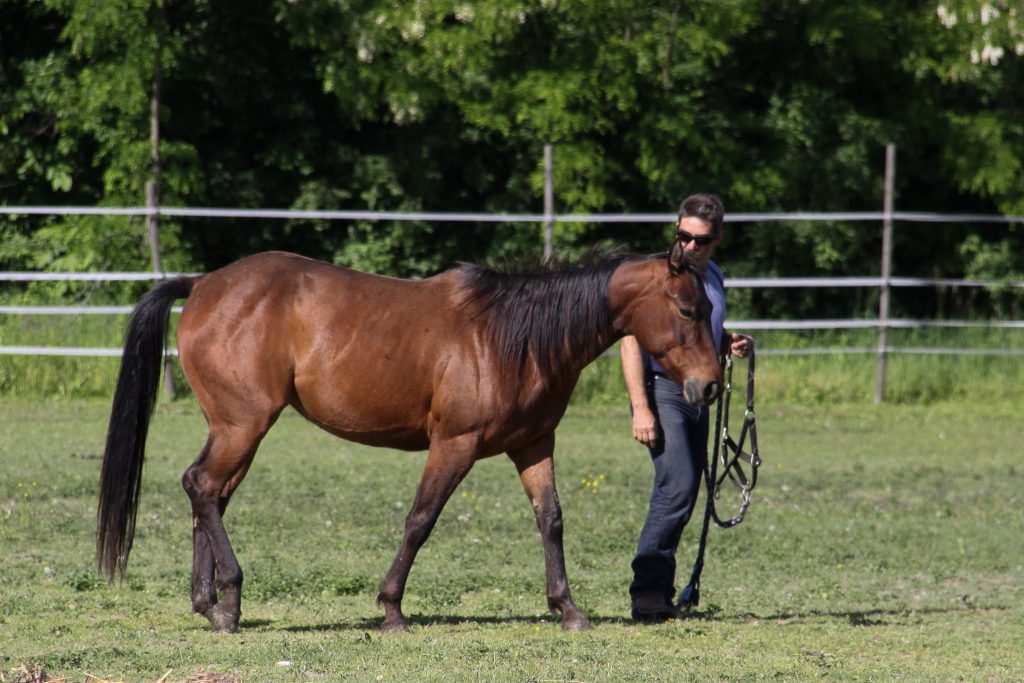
(576, 623)
(222, 621)
(394, 626)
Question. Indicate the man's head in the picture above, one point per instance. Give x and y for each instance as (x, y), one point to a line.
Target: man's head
(699, 226)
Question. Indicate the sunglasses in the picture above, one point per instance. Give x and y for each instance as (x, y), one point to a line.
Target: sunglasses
(701, 240)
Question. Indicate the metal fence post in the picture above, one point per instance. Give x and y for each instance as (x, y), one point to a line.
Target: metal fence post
(549, 202)
(883, 299)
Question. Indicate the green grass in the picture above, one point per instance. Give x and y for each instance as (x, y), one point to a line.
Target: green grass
(883, 544)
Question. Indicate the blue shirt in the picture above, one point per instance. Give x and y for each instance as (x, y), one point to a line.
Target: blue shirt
(714, 285)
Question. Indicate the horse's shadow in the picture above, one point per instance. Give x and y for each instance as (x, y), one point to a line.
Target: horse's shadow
(863, 618)
(368, 625)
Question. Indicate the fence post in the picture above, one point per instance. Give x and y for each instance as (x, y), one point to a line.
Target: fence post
(883, 299)
(153, 186)
(549, 202)
(153, 226)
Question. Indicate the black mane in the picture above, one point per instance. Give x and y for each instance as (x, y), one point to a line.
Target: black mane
(556, 312)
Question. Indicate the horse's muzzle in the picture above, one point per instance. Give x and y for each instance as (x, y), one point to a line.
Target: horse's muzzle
(701, 392)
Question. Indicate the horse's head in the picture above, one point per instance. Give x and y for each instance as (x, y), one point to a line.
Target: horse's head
(666, 308)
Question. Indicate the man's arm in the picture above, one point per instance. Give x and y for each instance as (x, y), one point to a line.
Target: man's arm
(644, 422)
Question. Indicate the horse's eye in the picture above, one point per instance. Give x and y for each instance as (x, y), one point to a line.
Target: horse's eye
(687, 313)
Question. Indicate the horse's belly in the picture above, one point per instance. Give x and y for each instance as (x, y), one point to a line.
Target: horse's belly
(369, 415)
(406, 440)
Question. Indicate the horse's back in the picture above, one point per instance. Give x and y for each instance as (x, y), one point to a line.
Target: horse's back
(356, 353)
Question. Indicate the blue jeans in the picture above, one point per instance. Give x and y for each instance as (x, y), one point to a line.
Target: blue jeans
(679, 456)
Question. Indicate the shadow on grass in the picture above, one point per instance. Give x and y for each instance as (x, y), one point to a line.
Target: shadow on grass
(449, 620)
(864, 618)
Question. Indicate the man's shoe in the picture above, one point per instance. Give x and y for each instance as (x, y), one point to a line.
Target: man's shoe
(652, 607)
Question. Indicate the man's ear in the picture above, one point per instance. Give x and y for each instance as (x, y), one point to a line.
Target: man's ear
(676, 258)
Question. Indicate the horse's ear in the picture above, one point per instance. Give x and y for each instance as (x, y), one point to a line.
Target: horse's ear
(676, 258)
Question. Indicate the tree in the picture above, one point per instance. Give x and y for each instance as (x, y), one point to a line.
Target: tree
(76, 112)
(445, 106)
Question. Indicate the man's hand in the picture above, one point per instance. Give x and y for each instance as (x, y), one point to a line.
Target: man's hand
(739, 346)
(645, 426)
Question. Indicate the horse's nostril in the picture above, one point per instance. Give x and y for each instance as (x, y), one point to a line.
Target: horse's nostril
(711, 391)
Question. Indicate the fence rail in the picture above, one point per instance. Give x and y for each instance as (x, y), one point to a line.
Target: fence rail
(884, 282)
(98, 352)
(800, 325)
(469, 217)
(736, 283)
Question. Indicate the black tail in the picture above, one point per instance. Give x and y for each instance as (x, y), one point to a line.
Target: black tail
(134, 398)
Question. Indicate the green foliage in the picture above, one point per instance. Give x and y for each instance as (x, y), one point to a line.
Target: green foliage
(445, 106)
(84, 580)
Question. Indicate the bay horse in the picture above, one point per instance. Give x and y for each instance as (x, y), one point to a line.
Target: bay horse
(466, 364)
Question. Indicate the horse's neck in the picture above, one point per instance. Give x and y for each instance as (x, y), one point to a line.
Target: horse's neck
(584, 349)
(628, 284)
(587, 354)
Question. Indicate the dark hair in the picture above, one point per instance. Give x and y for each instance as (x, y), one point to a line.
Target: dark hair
(706, 207)
(554, 311)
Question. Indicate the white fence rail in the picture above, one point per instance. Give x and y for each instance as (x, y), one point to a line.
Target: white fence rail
(751, 325)
(458, 217)
(736, 283)
(882, 324)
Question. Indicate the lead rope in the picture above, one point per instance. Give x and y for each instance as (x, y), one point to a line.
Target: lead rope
(731, 453)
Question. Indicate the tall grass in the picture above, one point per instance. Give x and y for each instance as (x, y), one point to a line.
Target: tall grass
(63, 377)
(842, 377)
(60, 376)
(835, 377)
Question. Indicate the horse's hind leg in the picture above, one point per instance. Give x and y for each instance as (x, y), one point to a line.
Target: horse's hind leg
(204, 594)
(537, 472)
(209, 482)
(204, 591)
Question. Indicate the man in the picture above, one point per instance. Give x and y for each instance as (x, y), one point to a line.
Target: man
(674, 431)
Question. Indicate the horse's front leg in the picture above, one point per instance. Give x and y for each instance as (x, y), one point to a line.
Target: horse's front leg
(447, 464)
(537, 471)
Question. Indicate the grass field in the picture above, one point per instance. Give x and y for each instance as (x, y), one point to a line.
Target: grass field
(883, 544)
